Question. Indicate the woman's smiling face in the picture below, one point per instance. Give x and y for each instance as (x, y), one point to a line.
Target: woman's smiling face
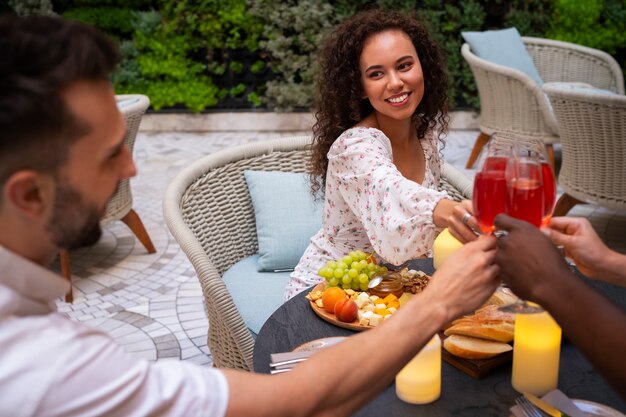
(391, 74)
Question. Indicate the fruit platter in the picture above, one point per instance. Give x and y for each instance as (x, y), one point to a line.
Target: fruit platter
(345, 300)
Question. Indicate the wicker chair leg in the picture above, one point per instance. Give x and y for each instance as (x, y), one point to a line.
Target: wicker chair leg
(565, 204)
(135, 224)
(480, 143)
(66, 271)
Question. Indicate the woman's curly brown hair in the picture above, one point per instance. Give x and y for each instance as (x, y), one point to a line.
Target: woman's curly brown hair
(339, 95)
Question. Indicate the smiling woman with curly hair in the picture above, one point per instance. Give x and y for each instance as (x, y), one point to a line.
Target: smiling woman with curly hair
(381, 113)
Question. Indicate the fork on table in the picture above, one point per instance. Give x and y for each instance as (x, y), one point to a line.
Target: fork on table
(528, 408)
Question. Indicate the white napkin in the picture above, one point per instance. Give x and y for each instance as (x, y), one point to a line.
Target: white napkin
(556, 399)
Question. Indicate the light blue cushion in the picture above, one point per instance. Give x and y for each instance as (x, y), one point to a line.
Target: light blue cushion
(582, 88)
(503, 47)
(256, 294)
(126, 102)
(286, 217)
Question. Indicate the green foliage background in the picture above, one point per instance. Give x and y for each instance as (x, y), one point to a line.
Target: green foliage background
(208, 54)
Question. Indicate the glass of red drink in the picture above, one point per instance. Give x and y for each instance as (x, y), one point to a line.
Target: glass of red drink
(489, 196)
(524, 195)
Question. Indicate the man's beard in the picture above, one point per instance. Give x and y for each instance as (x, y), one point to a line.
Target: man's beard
(74, 223)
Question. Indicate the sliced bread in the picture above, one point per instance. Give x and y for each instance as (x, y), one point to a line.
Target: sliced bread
(473, 348)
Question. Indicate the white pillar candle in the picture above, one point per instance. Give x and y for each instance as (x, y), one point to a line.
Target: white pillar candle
(419, 382)
(444, 246)
(536, 353)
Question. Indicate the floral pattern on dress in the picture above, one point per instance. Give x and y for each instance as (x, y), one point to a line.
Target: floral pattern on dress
(370, 205)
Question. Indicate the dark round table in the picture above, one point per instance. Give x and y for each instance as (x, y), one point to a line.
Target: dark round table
(294, 323)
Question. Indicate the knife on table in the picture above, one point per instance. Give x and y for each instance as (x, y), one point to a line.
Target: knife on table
(544, 406)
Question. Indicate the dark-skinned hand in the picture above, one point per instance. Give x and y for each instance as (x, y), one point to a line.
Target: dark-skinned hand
(529, 262)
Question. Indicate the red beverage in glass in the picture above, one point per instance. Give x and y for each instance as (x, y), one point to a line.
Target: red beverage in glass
(489, 197)
(549, 192)
(524, 200)
(495, 163)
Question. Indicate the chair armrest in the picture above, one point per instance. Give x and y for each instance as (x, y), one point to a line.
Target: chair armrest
(567, 62)
(461, 188)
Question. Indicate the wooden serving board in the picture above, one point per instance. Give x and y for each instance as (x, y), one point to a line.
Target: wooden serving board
(332, 319)
(476, 368)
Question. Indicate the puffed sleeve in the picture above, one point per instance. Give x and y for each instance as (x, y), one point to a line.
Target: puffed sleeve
(396, 213)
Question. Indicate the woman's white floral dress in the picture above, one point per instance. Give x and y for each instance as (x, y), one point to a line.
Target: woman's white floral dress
(369, 205)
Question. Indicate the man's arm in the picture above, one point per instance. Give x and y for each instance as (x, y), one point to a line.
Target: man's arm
(339, 380)
(592, 257)
(536, 271)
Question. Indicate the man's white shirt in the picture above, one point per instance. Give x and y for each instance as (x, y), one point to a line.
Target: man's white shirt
(53, 366)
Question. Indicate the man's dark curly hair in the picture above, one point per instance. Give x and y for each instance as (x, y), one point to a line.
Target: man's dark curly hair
(339, 93)
(40, 57)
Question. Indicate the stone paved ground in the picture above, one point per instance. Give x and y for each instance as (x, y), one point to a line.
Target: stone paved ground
(152, 304)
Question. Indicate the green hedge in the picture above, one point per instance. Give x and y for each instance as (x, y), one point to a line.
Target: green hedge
(204, 54)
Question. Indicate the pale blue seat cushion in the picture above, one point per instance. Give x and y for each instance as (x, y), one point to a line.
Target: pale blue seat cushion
(286, 216)
(504, 47)
(126, 102)
(581, 88)
(256, 294)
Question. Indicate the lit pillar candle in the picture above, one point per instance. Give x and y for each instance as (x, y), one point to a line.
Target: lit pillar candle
(419, 382)
(444, 246)
(536, 352)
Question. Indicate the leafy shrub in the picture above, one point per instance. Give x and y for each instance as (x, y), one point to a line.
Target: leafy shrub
(115, 21)
(28, 7)
(598, 24)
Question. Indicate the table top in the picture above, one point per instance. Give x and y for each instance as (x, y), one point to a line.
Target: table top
(294, 323)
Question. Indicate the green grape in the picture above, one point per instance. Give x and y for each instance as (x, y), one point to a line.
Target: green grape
(370, 274)
(331, 264)
(360, 254)
(347, 260)
(356, 265)
(321, 271)
(363, 287)
(353, 255)
(333, 282)
(363, 263)
(338, 273)
(342, 265)
(347, 279)
(372, 266)
(356, 285)
(353, 273)
(383, 270)
(346, 286)
(364, 279)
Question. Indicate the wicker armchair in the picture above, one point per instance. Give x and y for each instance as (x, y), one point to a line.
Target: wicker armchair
(593, 136)
(511, 101)
(208, 210)
(120, 207)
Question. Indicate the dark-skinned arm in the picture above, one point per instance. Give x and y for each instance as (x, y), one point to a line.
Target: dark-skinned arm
(535, 270)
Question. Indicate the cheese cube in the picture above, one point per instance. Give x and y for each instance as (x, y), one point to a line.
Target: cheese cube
(375, 320)
(363, 296)
(360, 302)
(374, 297)
(369, 307)
(364, 322)
(392, 309)
(381, 305)
(319, 303)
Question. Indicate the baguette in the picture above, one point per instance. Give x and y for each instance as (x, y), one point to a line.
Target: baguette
(472, 348)
(497, 331)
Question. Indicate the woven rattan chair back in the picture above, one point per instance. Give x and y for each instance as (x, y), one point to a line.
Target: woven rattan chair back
(593, 136)
(208, 209)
